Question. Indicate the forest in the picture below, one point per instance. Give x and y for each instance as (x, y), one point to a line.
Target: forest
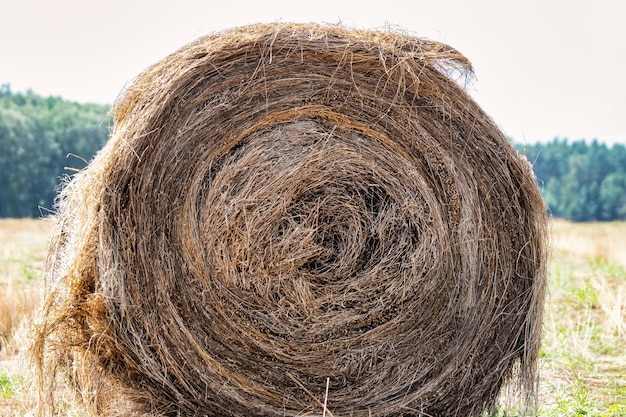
(44, 140)
(580, 181)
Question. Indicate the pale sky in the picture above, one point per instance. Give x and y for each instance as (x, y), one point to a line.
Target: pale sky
(544, 68)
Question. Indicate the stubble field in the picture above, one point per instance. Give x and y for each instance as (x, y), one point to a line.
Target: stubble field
(583, 358)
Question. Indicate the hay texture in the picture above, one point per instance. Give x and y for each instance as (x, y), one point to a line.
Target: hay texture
(293, 214)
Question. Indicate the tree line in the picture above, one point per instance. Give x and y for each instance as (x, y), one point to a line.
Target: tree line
(39, 137)
(580, 181)
(43, 140)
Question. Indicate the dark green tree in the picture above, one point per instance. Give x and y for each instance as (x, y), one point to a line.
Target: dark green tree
(613, 196)
(36, 136)
(580, 181)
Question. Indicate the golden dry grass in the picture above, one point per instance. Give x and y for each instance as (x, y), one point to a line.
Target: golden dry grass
(22, 254)
(603, 241)
(21, 261)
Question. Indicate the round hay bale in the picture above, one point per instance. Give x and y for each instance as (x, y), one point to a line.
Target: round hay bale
(293, 215)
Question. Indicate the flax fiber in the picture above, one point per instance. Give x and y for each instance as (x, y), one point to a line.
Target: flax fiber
(284, 205)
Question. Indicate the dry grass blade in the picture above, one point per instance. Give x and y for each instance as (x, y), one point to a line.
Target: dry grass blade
(326, 399)
(304, 200)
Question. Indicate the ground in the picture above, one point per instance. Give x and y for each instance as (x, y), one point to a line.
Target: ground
(583, 358)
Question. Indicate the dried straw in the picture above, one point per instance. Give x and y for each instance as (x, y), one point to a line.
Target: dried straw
(289, 205)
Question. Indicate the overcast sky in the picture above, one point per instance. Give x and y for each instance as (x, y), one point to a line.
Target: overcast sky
(544, 68)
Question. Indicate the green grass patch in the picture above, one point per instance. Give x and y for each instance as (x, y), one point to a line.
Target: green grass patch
(9, 385)
(583, 356)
